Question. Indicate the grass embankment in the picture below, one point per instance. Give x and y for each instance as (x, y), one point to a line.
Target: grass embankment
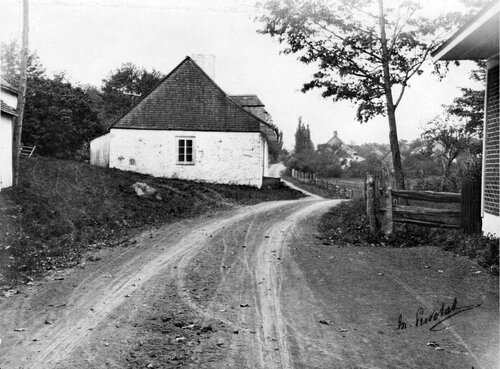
(347, 224)
(309, 187)
(63, 208)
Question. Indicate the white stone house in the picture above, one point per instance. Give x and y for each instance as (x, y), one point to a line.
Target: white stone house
(8, 102)
(188, 128)
(335, 144)
(479, 40)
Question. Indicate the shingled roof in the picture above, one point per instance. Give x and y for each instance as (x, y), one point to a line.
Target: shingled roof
(188, 99)
(4, 108)
(246, 100)
(4, 85)
(253, 105)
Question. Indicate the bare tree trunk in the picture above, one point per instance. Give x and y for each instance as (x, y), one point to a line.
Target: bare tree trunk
(18, 127)
(391, 109)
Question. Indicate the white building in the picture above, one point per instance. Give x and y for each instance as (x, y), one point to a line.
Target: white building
(188, 128)
(8, 102)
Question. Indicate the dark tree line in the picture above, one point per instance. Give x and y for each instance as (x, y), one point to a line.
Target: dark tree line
(61, 118)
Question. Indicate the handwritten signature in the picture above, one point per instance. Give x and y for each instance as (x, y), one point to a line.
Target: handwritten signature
(436, 317)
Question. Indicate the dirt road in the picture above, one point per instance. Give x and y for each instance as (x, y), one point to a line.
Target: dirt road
(252, 288)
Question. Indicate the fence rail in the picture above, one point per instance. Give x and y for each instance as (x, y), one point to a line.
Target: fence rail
(334, 190)
(384, 206)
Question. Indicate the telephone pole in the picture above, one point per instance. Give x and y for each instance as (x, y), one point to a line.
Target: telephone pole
(21, 98)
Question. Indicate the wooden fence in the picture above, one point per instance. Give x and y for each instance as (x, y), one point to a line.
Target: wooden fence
(334, 190)
(384, 206)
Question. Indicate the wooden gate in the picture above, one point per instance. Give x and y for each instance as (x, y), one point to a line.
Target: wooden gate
(384, 206)
(470, 214)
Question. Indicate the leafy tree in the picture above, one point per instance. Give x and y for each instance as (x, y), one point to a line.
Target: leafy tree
(448, 137)
(59, 117)
(469, 106)
(328, 163)
(10, 56)
(123, 87)
(365, 52)
(303, 157)
(303, 143)
(357, 169)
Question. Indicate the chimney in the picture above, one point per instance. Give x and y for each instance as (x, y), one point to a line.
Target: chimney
(334, 133)
(206, 62)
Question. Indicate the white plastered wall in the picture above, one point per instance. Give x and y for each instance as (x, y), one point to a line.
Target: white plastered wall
(99, 150)
(219, 157)
(6, 127)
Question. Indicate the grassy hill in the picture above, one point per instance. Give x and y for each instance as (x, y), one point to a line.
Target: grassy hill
(63, 208)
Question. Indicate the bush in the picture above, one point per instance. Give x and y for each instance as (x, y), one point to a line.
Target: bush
(347, 223)
(437, 184)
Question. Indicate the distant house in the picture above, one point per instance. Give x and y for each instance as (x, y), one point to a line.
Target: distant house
(479, 40)
(8, 102)
(336, 145)
(188, 128)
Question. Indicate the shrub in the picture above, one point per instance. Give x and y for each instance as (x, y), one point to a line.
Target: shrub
(347, 223)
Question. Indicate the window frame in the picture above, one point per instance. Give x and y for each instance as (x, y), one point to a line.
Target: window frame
(178, 153)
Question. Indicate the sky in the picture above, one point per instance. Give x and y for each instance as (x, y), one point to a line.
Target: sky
(87, 39)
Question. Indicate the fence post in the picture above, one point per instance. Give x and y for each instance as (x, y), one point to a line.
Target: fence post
(385, 201)
(370, 203)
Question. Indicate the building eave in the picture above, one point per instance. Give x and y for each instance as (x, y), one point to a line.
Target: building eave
(476, 40)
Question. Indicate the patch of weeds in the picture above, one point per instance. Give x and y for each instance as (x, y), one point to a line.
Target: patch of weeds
(347, 223)
(63, 208)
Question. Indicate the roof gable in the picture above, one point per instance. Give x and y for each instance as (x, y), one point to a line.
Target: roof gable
(188, 99)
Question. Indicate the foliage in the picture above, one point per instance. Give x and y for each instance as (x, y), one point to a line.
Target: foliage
(59, 118)
(358, 169)
(275, 148)
(123, 87)
(303, 143)
(328, 164)
(63, 208)
(347, 223)
(303, 157)
(10, 56)
(447, 137)
(363, 53)
(470, 107)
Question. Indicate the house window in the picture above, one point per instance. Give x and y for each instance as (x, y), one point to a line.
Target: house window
(185, 154)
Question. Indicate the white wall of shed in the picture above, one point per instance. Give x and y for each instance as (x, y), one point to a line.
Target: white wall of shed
(6, 130)
(99, 150)
(220, 157)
